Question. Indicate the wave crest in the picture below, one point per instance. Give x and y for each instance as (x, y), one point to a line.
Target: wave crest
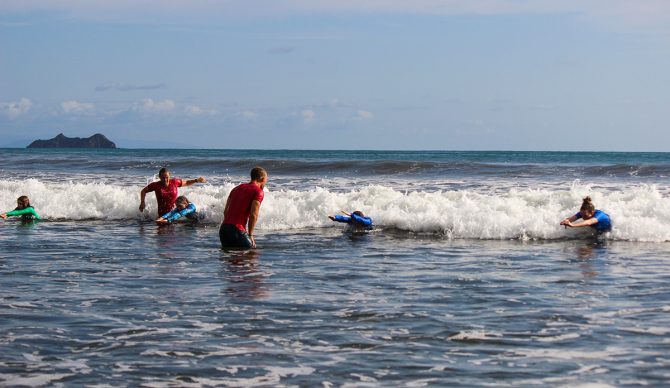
(639, 213)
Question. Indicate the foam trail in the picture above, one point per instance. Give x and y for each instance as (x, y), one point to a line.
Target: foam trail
(639, 213)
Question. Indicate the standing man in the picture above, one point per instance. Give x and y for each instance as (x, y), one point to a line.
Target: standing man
(241, 212)
(166, 190)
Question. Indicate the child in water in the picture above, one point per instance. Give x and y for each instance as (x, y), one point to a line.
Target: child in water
(23, 209)
(183, 208)
(590, 216)
(355, 219)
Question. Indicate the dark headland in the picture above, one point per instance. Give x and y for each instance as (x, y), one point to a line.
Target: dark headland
(61, 141)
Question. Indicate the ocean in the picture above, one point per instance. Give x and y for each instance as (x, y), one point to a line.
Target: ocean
(467, 279)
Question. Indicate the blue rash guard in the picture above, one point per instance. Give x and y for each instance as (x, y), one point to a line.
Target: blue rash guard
(188, 212)
(604, 223)
(355, 220)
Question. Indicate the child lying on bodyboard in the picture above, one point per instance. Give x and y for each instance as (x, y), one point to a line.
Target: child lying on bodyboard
(356, 220)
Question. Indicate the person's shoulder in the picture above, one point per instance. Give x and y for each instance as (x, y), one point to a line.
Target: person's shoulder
(260, 194)
(178, 181)
(251, 187)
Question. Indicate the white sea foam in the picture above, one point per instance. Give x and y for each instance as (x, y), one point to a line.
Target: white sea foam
(292, 371)
(662, 331)
(32, 380)
(474, 336)
(599, 355)
(32, 357)
(639, 213)
(558, 338)
(78, 366)
(24, 305)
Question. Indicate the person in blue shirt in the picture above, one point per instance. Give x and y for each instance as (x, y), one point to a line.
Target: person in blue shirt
(590, 216)
(183, 208)
(356, 219)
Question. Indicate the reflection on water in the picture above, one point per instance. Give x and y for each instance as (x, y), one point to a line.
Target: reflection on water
(243, 274)
(587, 251)
(319, 307)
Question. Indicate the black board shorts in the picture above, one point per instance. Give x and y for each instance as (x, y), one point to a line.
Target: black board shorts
(231, 237)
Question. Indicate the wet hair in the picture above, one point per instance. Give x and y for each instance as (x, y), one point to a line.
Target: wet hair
(358, 213)
(20, 201)
(163, 171)
(257, 173)
(587, 205)
(182, 199)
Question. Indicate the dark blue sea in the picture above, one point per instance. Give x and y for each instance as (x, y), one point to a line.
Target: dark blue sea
(467, 279)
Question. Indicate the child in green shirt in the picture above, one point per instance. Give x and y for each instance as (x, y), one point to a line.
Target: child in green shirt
(24, 209)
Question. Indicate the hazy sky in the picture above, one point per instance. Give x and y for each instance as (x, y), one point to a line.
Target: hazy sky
(339, 74)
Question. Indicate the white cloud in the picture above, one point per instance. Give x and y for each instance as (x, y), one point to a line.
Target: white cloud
(127, 87)
(334, 103)
(15, 109)
(308, 116)
(149, 105)
(75, 106)
(248, 115)
(194, 110)
(364, 115)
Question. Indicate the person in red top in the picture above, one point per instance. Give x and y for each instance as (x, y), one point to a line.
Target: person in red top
(241, 212)
(166, 191)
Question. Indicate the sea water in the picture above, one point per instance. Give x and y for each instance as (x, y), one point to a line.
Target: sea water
(468, 278)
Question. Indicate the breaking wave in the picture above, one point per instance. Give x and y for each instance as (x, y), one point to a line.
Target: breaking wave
(639, 213)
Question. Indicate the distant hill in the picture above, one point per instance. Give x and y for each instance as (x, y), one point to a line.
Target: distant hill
(62, 141)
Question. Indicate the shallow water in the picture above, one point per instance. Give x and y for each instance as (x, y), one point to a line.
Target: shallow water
(124, 303)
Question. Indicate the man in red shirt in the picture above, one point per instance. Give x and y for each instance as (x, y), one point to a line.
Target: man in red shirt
(241, 212)
(166, 191)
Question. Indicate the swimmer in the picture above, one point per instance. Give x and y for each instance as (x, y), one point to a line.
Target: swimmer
(590, 216)
(183, 208)
(23, 209)
(356, 219)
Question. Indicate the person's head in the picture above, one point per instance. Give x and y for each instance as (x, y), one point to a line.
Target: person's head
(587, 209)
(182, 202)
(164, 175)
(259, 175)
(359, 213)
(22, 202)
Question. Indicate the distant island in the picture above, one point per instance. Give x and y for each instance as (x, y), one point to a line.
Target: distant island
(61, 141)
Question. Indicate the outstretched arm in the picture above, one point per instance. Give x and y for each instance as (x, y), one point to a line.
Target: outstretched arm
(589, 222)
(176, 214)
(28, 210)
(189, 182)
(568, 221)
(345, 219)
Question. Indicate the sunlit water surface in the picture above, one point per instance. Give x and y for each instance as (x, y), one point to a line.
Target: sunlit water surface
(126, 303)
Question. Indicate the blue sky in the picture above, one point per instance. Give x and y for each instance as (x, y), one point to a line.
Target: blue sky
(298, 74)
